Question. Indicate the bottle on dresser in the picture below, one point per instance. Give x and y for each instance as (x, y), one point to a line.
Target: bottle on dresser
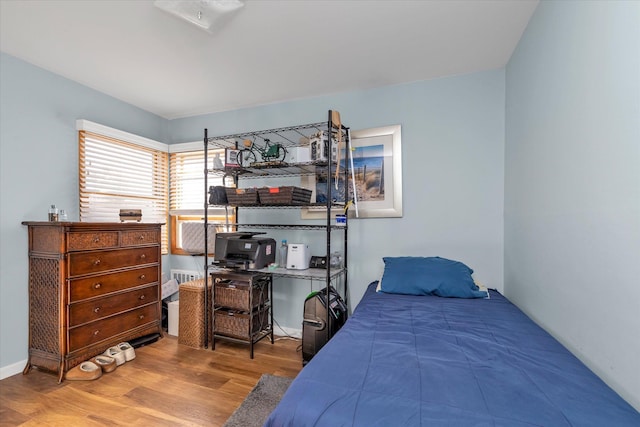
(53, 213)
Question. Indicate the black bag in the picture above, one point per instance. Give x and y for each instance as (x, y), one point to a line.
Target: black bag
(218, 195)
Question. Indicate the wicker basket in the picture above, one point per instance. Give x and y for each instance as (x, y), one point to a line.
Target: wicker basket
(242, 196)
(191, 324)
(237, 324)
(236, 294)
(287, 195)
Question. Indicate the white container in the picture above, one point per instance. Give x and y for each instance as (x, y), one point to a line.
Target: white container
(298, 256)
(174, 317)
(299, 154)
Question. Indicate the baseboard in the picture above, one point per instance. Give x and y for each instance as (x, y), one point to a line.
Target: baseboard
(11, 370)
(280, 331)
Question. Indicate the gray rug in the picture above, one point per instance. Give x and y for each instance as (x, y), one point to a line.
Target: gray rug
(257, 406)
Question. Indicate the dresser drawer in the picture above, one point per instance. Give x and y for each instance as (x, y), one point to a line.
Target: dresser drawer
(78, 241)
(140, 237)
(95, 262)
(100, 330)
(88, 311)
(90, 287)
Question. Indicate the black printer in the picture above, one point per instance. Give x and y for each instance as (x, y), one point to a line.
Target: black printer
(245, 251)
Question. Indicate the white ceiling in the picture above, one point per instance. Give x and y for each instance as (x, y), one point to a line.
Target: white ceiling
(268, 51)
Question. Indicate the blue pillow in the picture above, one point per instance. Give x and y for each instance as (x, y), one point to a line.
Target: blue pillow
(429, 276)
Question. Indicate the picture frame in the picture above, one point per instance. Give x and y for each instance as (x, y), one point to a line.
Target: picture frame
(377, 170)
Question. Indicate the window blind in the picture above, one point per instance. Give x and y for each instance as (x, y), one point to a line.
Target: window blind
(187, 194)
(116, 174)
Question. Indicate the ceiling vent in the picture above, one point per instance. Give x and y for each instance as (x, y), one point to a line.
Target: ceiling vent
(201, 13)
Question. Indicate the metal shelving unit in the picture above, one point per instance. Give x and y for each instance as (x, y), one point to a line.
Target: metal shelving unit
(289, 138)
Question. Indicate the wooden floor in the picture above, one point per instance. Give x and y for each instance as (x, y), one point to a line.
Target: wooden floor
(167, 384)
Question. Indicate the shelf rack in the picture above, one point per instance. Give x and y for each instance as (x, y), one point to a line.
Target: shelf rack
(288, 137)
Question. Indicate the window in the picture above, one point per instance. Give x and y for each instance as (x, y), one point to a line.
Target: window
(187, 198)
(116, 173)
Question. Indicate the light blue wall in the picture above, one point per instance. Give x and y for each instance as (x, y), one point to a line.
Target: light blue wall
(38, 167)
(453, 180)
(453, 144)
(572, 182)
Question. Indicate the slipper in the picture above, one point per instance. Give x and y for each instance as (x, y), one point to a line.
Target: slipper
(117, 354)
(106, 363)
(129, 352)
(86, 371)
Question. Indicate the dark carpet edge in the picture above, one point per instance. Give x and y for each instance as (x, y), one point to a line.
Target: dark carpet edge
(259, 403)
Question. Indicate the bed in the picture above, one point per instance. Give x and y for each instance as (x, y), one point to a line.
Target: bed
(425, 358)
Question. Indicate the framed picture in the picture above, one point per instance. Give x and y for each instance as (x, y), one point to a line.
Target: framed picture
(375, 175)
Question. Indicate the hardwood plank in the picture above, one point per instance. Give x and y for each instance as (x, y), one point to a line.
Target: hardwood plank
(167, 384)
(10, 417)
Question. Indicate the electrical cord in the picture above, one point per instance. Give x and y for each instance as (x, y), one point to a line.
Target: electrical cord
(286, 335)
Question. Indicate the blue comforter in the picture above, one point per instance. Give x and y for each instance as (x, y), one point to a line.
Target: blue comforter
(431, 361)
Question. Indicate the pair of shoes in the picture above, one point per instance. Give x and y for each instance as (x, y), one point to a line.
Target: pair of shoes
(86, 371)
(106, 363)
(115, 353)
(127, 349)
(122, 352)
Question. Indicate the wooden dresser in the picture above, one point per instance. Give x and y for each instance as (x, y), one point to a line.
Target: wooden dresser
(91, 286)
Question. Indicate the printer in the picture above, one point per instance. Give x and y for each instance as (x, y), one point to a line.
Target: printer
(244, 250)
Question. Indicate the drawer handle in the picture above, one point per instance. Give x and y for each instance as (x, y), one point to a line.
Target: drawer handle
(96, 262)
(97, 285)
(141, 317)
(141, 297)
(143, 256)
(96, 310)
(142, 277)
(96, 240)
(141, 237)
(95, 333)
